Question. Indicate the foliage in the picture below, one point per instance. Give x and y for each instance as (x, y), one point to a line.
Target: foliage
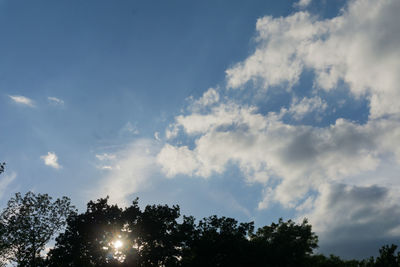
(88, 238)
(106, 235)
(2, 165)
(387, 258)
(155, 237)
(284, 244)
(331, 261)
(28, 223)
(218, 242)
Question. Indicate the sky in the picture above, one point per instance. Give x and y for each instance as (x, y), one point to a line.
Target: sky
(254, 110)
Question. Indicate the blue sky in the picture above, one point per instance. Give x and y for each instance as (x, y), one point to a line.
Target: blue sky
(255, 110)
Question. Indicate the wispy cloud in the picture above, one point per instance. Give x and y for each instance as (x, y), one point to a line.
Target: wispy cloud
(300, 108)
(105, 156)
(129, 129)
(133, 169)
(55, 101)
(5, 181)
(22, 100)
(51, 160)
(303, 3)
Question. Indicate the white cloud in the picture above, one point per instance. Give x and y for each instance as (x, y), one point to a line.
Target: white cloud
(303, 3)
(133, 170)
(172, 131)
(22, 100)
(55, 101)
(299, 109)
(177, 160)
(51, 160)
(130, 129)
(5, 181)
(105, 156)
(210, 97)
(157, 136)
(358, 47)
(107, 161)
(301, 157)
(327, 173)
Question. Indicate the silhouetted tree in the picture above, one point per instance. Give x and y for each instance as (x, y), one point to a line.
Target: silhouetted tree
(156, 236)
(28, 223)
(148, 238)
(2, 165)
(387, 258)
(89, 237)
(331, 261)
(284, 244)
(218, 242)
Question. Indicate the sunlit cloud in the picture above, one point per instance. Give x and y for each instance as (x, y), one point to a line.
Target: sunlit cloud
(51, 160)
(22, 100)
(133, 170)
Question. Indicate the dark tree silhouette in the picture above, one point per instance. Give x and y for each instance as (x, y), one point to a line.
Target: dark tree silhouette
(218, 242)
(157, 236)
(88, 238)
(2, 165)
(148, 238)
(284, 244)
(28, 223)
(387, 258)
(106, 235)
(331, 261)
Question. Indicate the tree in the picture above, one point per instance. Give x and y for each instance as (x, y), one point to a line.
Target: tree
(156, 236)
(387, 258)
(218, 241)
(106, 235)
(2, 165)
(90, 237)
(331, 261)
(28, 223)
(284, 244)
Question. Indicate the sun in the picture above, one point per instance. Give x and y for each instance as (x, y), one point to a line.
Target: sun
(117, 244)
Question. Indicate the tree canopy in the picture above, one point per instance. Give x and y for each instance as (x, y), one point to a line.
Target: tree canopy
(28, 223)
(2, 165)
(107, 235)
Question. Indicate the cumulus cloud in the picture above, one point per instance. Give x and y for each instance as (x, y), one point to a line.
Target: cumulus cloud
(318, 171)
(358, 47)
(342, 214)
(51, 160)
(22, 100)
(300, 108)
(55, 101)
(210, 97)
(264, 146)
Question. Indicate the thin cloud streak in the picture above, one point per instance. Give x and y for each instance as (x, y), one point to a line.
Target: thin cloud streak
(22, 100)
